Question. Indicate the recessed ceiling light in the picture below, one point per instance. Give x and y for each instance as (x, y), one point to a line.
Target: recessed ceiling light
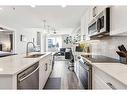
(63, 5)
(33, 6)
(1, 69)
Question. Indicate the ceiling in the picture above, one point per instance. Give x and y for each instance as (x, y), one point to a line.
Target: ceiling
(62, 19)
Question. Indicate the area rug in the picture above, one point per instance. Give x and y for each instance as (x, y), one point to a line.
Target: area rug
(53, 83)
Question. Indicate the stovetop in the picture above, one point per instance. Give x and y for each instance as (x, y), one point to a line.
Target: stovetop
(100, 59)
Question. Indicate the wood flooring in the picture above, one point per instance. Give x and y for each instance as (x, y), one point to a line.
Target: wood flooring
(68, 78)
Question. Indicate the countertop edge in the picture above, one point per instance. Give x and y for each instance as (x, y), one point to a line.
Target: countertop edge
(18, 71)
(110, 74)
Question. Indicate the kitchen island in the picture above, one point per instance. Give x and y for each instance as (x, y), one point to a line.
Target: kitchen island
(12, 65)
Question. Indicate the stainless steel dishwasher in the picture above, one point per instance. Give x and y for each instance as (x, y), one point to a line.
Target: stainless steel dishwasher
(29, 78)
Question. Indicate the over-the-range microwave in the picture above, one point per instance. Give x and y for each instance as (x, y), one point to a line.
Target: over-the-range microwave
(100, 25)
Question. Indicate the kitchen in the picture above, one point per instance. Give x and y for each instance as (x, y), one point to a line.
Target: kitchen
(83, 51)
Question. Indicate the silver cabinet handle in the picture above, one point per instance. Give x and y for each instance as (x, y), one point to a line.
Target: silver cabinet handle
(28, 75)
(46, 66)
(110, 85)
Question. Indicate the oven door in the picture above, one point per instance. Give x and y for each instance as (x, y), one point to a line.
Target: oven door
(85, 75)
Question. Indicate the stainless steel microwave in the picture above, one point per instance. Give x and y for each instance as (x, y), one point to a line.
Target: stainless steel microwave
(101, 24)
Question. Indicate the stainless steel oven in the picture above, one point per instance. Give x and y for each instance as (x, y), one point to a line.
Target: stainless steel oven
(85, 74)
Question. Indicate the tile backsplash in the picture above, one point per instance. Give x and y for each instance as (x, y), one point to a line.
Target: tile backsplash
(108, 46)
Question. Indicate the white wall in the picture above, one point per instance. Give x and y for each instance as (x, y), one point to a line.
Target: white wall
(30, 34)
(21, 45)
(64, 45)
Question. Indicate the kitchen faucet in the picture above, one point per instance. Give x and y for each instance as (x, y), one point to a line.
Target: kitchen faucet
(27, 47)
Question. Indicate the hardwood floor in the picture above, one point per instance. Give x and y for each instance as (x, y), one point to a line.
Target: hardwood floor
(68, 78)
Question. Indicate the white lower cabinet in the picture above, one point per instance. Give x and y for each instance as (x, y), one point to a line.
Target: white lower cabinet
(98, 83)
(42, 74)
(45, 68)
(118, 21)
(76, 66)
(101, 80)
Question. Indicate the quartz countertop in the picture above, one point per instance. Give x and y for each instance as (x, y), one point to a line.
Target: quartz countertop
(117, 71)
(11, 65)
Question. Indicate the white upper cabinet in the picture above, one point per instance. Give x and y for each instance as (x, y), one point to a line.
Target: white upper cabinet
(118, 21)
(94, 11)
(84, 25)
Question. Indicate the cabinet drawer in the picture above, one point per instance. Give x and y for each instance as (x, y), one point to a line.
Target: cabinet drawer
(107, 79)
(99, 84)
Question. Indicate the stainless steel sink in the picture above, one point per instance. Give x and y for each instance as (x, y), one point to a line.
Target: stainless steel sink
(34, 56)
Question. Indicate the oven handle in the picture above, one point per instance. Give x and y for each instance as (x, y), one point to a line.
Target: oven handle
(85, 68)
(28, 75)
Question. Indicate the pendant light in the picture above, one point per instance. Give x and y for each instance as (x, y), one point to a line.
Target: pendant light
(48, 29)
(54, 31)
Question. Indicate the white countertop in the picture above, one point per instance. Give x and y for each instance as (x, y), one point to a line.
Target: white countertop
(116, 70)
(11, 65)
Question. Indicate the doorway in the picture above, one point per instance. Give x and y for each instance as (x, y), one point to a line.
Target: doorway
(53, 43)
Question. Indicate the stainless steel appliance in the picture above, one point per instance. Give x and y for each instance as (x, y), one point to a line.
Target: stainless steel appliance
(29, 78)
(85, 68)
(101, 24)
(99, 59)
(85, 73)
(92, 29)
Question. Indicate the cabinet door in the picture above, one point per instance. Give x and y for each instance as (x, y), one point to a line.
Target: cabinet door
(84, 25)
(75, 63)
(50, 66)
(119, 20)
(90, 13)
(48, 70)
(75, 67)
(45, 67)
(99, 84)
(100, 9)
(42, 74)
(95, 10)
(102, 80)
